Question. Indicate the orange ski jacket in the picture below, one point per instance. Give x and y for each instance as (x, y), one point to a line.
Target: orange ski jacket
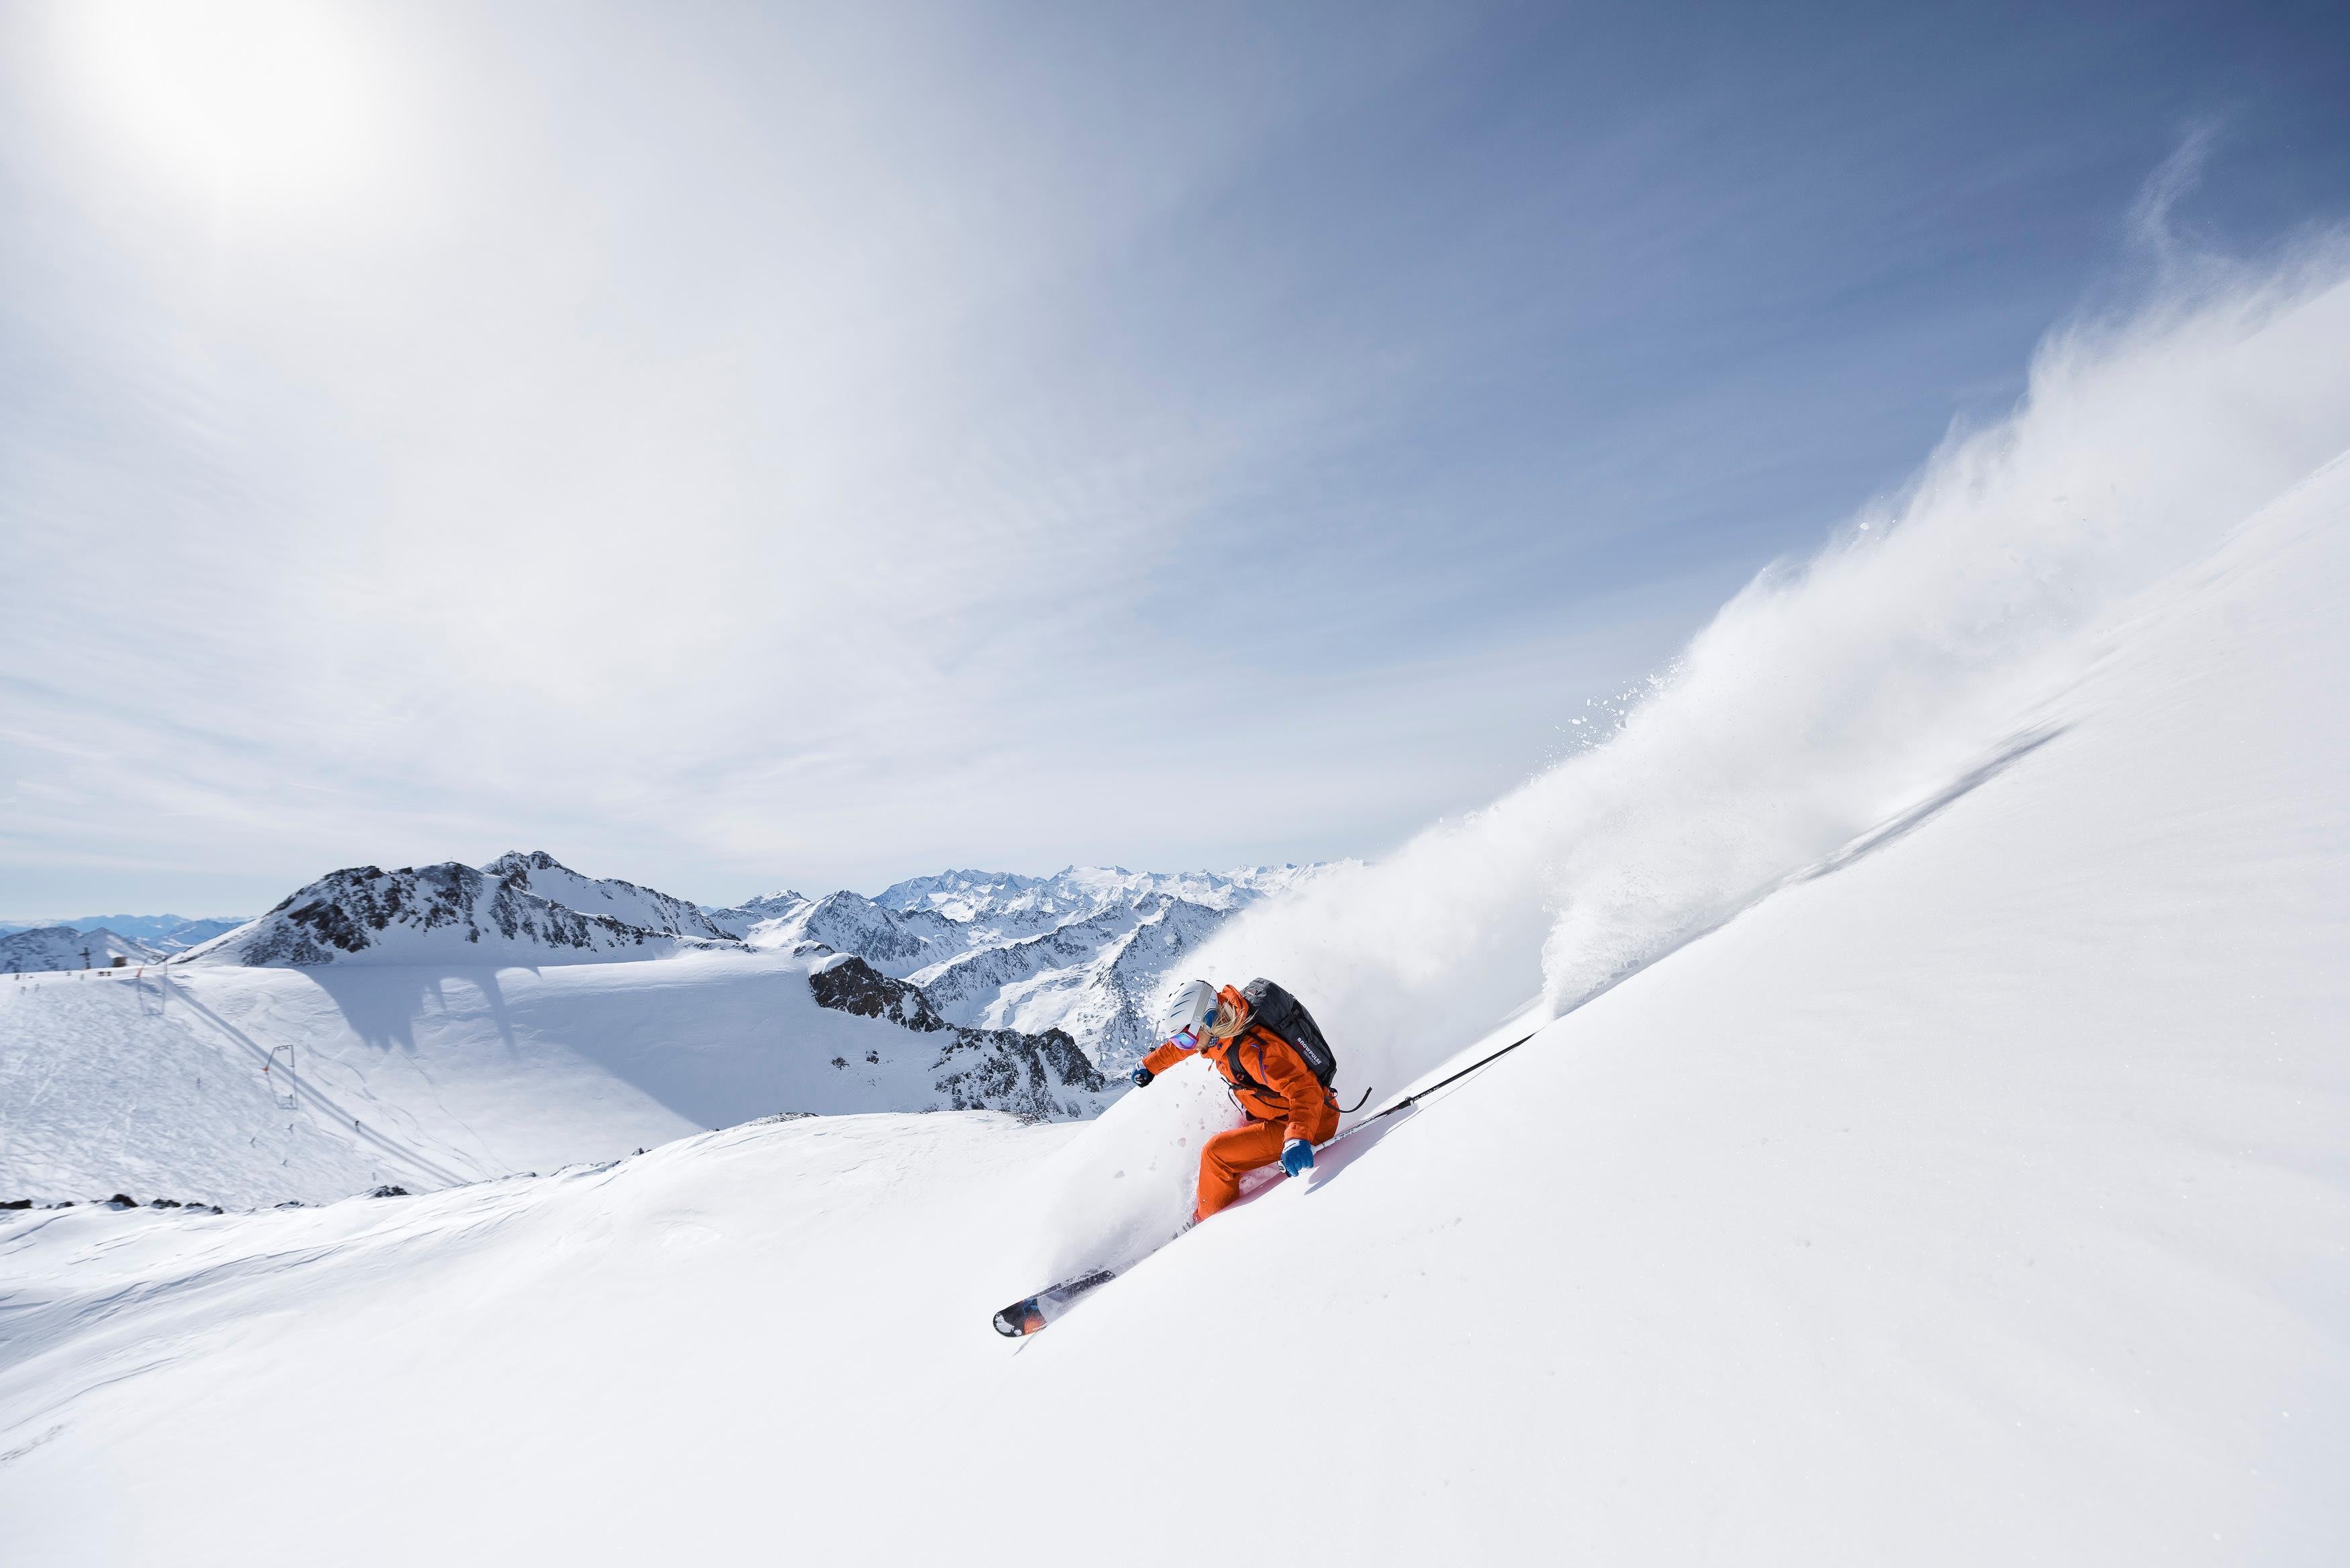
(1268, 1078)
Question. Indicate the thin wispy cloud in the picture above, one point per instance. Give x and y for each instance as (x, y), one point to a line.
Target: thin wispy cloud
(732, 447)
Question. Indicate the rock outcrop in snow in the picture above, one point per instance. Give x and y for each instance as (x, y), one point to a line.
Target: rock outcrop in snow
(1043, 1074)
(847, 983)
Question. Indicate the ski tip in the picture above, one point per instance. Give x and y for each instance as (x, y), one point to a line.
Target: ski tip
(1026, 1317)
(1020, 1319)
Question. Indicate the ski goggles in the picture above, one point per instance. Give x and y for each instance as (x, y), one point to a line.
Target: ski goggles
(1187, 1038)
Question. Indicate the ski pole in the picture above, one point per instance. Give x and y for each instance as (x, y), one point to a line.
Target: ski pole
(1415, 1098)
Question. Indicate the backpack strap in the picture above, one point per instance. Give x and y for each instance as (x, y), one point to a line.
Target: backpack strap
(1239, 1072)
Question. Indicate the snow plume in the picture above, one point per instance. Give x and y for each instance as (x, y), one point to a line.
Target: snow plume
(1831, 697)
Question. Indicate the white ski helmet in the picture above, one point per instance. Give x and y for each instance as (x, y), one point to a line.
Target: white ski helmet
(1193, 1003)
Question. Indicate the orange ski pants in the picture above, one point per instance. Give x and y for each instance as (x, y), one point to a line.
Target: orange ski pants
(1229, 1154)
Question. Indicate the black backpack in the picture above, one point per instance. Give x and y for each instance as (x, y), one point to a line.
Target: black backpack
(1272, 1008)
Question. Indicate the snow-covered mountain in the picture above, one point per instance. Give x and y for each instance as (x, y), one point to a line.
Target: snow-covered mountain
(895, 942)
(1096, 977)
(399, 999)
(998, 904)
(1040, 1074)
(457, 913)
(446, 1023)
(159, 933)
(772, 921)
(1082, 949)
(172, 935)
(645, 909)
(43, 948)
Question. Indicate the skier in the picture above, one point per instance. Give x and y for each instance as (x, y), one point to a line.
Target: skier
(1288, 1108)
(1280, 1067)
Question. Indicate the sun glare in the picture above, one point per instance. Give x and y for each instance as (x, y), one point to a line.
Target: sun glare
(244, 96)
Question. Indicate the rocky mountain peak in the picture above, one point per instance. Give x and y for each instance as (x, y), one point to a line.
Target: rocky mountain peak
(455, 912)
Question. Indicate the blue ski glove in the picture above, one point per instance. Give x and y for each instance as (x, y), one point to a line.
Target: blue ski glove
(1297, 1156)
(1142, 1076)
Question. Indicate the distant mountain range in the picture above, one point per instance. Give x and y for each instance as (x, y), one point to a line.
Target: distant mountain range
(156, 933)
(1081, 951)
(432, 1024)
(43, 948)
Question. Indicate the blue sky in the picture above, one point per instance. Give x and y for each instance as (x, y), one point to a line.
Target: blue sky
(735, 446)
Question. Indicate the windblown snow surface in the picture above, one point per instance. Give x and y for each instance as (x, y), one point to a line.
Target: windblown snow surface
(1939, 1151)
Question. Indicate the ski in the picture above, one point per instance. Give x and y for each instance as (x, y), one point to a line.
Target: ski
(1026, 1317)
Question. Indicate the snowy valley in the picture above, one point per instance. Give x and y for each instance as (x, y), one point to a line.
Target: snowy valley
(447, 1023)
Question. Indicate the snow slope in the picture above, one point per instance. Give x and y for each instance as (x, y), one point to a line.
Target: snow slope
(248, 1086)
(470, 1055)
(1975, 1189)
(63, 947)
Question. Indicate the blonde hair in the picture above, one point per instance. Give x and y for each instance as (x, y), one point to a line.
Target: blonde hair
(1224, 1023)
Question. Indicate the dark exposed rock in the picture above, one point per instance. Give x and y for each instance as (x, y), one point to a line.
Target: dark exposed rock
(17, 1203)
(388, 1191)
(854, 986)
(1004, 1070)
(123, 1201)
(979, 1069)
